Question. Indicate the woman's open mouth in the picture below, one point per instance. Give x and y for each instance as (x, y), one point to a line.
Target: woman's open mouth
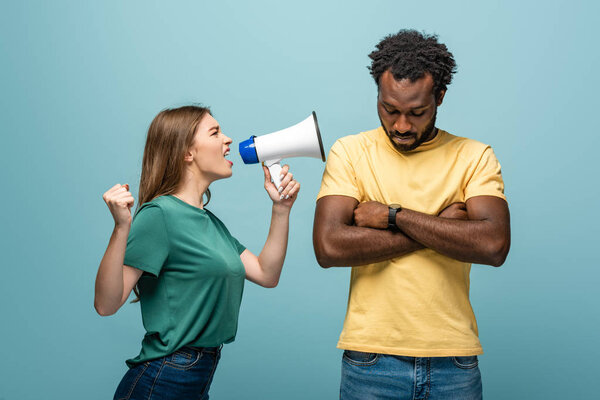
(227, 154)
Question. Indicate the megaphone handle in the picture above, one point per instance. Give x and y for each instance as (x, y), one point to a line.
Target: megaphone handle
(275, 171)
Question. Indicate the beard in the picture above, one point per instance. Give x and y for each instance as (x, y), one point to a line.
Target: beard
(428, 133)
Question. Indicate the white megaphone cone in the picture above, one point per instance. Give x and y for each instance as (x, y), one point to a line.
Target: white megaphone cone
(300, 140)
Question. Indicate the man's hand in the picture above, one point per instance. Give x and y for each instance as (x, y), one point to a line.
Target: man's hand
(455, 211)
(339, 242)
(371, 214)
(483, 237)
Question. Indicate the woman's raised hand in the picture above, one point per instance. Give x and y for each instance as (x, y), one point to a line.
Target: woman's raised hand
(288, 190)
(119, 201)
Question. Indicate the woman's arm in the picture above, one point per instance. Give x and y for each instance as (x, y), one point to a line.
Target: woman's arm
(265, 269)
(114, 280)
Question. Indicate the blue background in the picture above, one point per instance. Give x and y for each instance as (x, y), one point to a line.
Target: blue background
(81, 81)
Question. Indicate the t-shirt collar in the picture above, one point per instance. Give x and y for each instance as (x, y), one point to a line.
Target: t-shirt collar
(436, 141)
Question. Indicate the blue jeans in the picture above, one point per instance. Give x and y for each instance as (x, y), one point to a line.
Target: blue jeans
(185, 374)
(370, 376)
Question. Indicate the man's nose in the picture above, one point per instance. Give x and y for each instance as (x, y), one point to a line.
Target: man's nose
(402, 124)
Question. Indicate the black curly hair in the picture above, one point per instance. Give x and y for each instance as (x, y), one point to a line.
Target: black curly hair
(410, 55)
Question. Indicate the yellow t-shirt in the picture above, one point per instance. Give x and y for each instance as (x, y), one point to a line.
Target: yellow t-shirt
(416, 305)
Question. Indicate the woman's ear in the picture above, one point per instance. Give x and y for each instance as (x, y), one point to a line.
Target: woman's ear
(188, 157)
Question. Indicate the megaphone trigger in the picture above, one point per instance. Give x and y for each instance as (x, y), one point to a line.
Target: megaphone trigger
(275, 171)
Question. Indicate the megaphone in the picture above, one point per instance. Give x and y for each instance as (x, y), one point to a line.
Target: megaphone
(300, 140)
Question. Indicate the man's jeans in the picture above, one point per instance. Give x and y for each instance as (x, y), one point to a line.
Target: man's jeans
(367, 376)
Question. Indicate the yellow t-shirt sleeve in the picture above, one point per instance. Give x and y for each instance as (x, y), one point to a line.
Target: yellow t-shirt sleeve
(487, 177)
(339, 177)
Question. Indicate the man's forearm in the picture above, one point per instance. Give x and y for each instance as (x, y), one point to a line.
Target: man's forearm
(464, 240)
(347, 245)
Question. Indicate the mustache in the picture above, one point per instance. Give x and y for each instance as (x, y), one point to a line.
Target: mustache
(405, 134)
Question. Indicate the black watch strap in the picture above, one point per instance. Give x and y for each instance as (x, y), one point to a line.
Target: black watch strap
(392, 211)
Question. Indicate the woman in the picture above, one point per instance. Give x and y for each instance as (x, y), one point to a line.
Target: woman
(188, 269)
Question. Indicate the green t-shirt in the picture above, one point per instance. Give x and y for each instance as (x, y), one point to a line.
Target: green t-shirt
(191, 288)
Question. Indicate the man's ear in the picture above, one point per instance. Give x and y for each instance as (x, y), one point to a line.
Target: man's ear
(440, 97)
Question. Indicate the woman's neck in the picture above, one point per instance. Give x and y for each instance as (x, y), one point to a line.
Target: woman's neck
(191, 190)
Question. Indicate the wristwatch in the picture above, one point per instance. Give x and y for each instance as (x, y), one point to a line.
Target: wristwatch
(393, 209)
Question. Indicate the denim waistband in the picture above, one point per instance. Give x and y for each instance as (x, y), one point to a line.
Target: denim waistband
(208, 349)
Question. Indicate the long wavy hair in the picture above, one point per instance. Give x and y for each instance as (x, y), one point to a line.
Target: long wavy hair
(170, 135)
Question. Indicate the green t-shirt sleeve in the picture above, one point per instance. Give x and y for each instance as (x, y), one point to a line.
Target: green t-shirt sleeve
(239, 247)
(148, 242)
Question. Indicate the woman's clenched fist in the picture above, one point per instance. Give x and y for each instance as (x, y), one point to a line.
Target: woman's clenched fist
(119, 201)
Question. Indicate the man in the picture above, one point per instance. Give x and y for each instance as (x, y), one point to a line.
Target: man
(409, 207)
